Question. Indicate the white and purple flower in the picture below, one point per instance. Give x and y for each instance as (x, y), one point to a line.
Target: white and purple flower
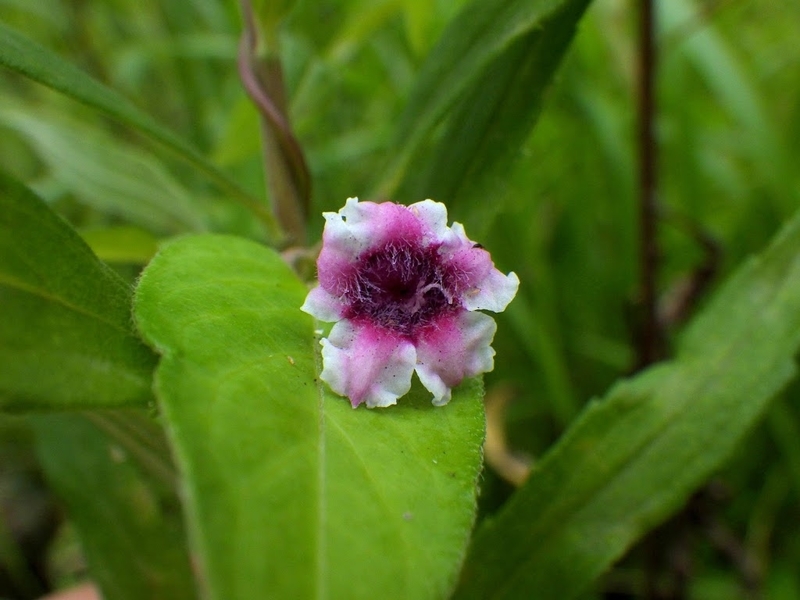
(402, 288)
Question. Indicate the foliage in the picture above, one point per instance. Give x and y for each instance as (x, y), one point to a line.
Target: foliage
(156, 370)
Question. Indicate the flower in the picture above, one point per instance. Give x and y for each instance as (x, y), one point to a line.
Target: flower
(402, 288)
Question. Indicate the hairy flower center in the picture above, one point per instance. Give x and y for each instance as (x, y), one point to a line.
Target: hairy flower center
(401, 287)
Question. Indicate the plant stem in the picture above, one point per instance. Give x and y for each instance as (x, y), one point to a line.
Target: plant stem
(288, 178)
(649, 344)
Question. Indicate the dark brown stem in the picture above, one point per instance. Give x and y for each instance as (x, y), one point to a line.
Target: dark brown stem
(649, 344)
(648, 330)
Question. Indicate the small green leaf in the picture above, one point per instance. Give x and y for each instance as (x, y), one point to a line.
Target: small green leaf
(290, 492)
(485, 79)
(32, 60)
(66, 333)
(130, 529)
(635, 456)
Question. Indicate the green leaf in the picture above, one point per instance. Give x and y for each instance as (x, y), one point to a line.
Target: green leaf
(290, 492)
(66, 335)
(122, 245)
(485, 79)
(129, 528)
(734, 91)
(24, 56)
(105, 173)
(635, 456)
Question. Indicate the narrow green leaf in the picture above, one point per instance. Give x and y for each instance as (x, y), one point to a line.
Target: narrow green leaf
(130, 529)
(66, 333)
(635, 456)
(23, 55)
(105, 173)
(290, 492)
(733, 89)
(486, 78)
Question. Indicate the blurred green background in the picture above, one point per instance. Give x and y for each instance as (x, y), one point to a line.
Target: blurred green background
(565, 219)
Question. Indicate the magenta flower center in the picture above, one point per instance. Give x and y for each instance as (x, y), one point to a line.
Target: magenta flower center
(401, 287)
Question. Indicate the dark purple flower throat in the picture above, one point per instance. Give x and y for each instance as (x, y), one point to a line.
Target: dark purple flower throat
(402, 287)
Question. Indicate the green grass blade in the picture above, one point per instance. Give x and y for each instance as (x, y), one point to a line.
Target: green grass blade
(115, 178)
(22, 55)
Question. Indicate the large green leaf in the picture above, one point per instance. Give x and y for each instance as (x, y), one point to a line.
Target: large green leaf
(290, 492)
(130, 526)
(485, 79)
(635, 456)
(28, 58)
(66, 333)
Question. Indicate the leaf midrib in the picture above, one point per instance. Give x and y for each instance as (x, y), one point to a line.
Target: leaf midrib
(21, 286)
(322, 514)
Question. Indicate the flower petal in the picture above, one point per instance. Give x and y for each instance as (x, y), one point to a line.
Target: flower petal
(401, 286)
(376, 224)
(323, 306)
(482, 286)
(367, 363)
(357, 227)
(341, 246)
(433, 216)
(493, 292)
(458, 346)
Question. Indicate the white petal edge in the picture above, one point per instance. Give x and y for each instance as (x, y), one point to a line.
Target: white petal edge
(323, 305)
(434, 216)
(493, 293)
(341, 234)
(434, 384)
(367, 365)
